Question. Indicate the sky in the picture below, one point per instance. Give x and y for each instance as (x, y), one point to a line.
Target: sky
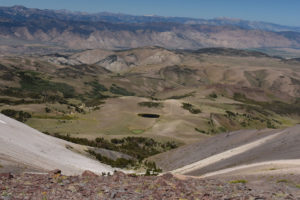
(285, 12)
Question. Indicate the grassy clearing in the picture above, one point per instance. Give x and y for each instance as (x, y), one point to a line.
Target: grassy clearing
(273, 169)
(282, 181)
(118, 118)
(58, 117)
(238, 181)
(137, 131)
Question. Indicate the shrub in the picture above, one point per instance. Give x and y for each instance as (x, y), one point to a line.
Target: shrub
(200, 131)
(191, 108)
(47, 110)
(270, 125)
(96, 92)
(120, 91)
(182, 96)
(213, 95)
(119, 162)
(31, 81)
(151, 169)
(282, 181)
(222, 129)
(94, 102)
(18, 115)
(150, 104)
(243, 124)
(239, 181)
(97, 87)
(8, 101)
(117, 141)
(230, 114)
(137, 147)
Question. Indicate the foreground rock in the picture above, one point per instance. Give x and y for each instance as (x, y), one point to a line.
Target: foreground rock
(131, 187)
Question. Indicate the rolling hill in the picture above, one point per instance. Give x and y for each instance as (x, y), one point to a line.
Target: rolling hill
(192, 95)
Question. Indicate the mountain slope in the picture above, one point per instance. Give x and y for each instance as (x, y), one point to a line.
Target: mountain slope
(192, 68)
(24, 145)
(233, 150)
(33, 29)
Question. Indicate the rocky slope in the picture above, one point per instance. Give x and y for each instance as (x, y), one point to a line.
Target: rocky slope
(130, 187)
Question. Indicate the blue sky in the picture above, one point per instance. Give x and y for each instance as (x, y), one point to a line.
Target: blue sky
(286, 12)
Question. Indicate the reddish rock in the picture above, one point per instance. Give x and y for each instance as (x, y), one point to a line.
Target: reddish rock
(167, 176)
(132, 175)
(206, 197)
(38, 186)
(55, 172)
(160, 182)
(119, 174)
(88, 173)
(6, 175)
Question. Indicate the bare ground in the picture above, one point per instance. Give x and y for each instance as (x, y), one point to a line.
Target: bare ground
(30, 148)
(233, 149)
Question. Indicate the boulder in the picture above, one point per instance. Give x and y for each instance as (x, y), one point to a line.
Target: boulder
(88, 173)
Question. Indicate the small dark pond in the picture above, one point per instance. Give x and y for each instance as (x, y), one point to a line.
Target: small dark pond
(149, 115)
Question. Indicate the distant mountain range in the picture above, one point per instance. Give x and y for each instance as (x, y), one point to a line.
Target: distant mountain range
(23, 12)
(24, 28)
(123, 18)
